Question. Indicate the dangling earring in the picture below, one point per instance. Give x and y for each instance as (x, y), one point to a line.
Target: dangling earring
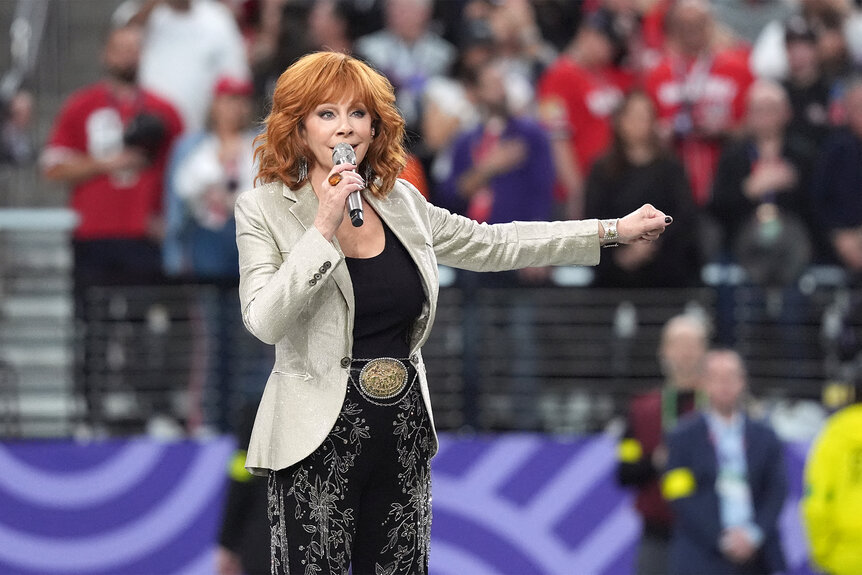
(303, 170)
(369, 174)
(373, 132)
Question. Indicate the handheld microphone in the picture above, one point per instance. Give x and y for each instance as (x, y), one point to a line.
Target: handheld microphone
(343, 153)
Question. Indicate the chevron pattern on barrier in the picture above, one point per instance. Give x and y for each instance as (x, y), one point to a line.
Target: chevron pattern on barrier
(515, 504)
(524, 504)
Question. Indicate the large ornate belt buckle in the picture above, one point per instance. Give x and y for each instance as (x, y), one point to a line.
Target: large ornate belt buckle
(383, 378)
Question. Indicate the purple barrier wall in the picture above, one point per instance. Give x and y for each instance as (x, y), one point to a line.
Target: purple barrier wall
(114, 507)
(508, 504)
(522, 503)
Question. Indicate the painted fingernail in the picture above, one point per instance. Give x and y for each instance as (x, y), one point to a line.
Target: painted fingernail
(668, 219)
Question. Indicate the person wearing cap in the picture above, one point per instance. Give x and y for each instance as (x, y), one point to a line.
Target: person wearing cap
(577, 96)
(207, 171)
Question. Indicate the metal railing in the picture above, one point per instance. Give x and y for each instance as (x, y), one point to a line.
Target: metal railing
(557, 359)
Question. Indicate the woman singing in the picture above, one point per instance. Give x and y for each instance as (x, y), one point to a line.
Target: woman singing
(344, 429)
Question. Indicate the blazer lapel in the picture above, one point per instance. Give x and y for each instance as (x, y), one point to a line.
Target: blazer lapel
(751, 446)
(708, 447)
(304, 209)
(304, 206)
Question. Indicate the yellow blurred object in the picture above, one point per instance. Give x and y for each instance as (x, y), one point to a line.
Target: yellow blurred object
(832, 506)
(630, 450)
(236, 467)
(836, 395)
(678, 483)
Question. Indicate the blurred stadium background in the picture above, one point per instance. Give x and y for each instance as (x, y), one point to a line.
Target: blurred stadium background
(73, 490)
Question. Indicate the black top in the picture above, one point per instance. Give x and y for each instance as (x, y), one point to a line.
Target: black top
(662, 182)
(388, 293)
(838, 180)
(810, 105)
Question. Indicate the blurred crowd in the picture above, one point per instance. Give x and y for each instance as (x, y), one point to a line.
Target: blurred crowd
(743, 119)
(709, 476)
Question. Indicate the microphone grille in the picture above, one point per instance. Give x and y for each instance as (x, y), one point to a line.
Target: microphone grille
(343, 153)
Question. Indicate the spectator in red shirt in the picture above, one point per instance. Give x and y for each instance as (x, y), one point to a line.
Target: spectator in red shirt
(109, 143)
(699, 90)
(653, 33)
(577, 96)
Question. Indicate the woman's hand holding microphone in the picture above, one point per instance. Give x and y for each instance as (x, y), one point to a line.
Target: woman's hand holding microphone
(332, 198)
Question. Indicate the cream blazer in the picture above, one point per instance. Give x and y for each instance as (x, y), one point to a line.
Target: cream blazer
(296, 294)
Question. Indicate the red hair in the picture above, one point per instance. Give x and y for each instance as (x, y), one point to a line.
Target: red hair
(325, 77)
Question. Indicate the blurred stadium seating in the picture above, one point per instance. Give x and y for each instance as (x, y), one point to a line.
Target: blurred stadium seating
(595, 347)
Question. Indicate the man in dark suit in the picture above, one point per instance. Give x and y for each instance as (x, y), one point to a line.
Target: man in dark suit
(726, 482)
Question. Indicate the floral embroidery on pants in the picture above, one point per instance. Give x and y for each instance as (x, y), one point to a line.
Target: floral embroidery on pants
(362, 498)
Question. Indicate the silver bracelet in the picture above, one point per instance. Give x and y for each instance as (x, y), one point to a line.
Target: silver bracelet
(611, 237)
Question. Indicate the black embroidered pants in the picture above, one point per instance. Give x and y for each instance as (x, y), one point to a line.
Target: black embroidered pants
(362, 500)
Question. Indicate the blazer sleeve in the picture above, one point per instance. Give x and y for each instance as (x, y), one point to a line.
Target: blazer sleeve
(464, 243)
(274, 286)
